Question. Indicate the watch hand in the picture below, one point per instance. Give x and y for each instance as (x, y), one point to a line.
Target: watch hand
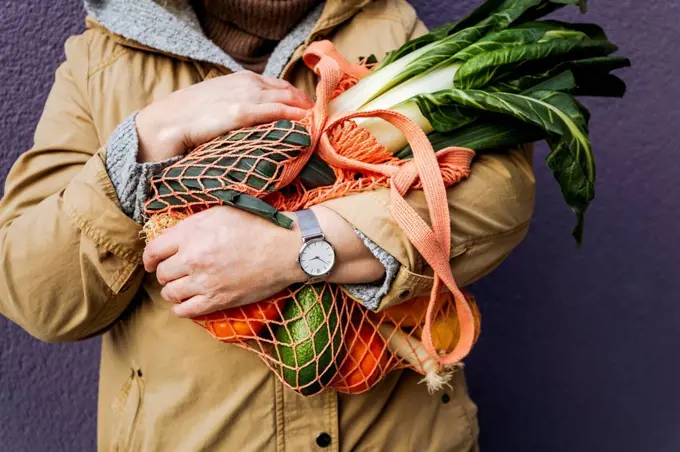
(318, 258)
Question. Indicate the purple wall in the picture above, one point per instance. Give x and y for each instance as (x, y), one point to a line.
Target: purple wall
(579, 350)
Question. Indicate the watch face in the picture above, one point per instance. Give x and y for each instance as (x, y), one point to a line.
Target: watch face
(317, 258)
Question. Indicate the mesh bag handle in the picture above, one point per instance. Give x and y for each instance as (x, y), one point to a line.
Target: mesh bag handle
(434, 244)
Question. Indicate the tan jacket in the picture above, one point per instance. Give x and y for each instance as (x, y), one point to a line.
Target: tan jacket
(71, 267)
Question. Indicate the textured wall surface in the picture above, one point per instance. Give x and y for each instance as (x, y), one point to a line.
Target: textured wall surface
(579, 351)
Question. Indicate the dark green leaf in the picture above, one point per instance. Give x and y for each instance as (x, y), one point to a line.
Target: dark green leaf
(590, 78)
(444, 117)
(371, 59)
(549, 7)
(484, 69)
(505, 39)
(571, 157)
(445, 51)
(155, 206)
(593, 31)
(605, 86)
(533, 12)
(173, 172)
(294, 134)
(564, 103)
(564, 82)
(258, 207)
(482, 12)
(451, 40)
(226, 196)
(316, 173)
(489, 132)
(530, 11)
(494, 131)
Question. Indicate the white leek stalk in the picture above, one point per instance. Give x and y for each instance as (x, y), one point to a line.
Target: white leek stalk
(374, 84)
(387, 134)
(396, 99)
(430, 82)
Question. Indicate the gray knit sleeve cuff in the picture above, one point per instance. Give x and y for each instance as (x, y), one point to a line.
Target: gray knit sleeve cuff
(131, 179)
(370, 294)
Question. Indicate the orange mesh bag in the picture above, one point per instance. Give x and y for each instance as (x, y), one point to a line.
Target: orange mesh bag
(315, 336)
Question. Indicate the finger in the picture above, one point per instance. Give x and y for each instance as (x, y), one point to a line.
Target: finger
(276, 82)
(160, 249)
(171, 269)
(194, 306)
(268, 112)
(308, 101)
(290, 97)
(181, 289)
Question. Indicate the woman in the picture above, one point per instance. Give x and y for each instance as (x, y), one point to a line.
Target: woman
(147, 81)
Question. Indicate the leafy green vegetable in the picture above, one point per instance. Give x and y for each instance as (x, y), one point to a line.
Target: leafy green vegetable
(497, 131)
(557, 115)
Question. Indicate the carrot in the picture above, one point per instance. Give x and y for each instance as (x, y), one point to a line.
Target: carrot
(412, 350)
(242, 322)
(365, 360)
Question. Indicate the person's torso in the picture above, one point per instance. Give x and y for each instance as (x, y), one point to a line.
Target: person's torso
(166, 384)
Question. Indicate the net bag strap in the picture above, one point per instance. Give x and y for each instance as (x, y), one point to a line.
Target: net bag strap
(434, 244)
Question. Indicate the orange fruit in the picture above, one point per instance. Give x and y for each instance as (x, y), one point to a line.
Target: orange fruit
(243, 322)
(364, 362)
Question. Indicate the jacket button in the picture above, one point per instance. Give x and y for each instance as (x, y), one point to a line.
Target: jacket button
(323, 440)
(446, 398)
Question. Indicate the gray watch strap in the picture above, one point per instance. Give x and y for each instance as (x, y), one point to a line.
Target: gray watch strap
(309, 225)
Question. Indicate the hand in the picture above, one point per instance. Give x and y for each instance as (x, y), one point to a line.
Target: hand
(224, 257)
(199, 113)
(221, 258)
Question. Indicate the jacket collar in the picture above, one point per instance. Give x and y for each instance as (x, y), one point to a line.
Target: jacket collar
(172, 28)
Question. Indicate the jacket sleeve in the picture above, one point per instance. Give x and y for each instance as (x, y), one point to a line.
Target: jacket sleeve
(490, 214)
(70, 256)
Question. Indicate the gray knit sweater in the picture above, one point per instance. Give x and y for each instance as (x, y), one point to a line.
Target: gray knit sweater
(131, 18)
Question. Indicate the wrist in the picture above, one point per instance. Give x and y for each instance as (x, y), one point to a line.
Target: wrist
(157, 141)
(354, 261)
(291, 243)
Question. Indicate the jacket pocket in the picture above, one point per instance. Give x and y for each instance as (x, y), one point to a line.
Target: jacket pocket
(468, 408)
(126, 407)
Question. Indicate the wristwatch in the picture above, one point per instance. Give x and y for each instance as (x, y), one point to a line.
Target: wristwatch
(317, 256)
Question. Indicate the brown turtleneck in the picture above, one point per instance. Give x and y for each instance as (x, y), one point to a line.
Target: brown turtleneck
(248, 30)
